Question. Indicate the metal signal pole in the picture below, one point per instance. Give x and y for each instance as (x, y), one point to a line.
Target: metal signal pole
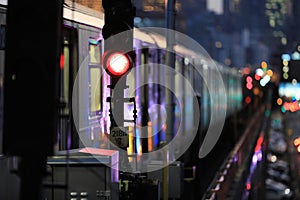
(118, 59)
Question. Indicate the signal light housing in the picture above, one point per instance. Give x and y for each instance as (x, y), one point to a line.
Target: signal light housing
(116, 63)
(117, 33)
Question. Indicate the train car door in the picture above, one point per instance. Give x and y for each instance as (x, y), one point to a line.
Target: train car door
(67, 135)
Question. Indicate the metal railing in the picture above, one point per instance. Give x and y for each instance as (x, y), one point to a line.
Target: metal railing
(229, 182)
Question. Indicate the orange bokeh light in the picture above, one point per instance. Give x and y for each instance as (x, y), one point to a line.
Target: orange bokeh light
(297, 142)
(264, 65)
(279, 101)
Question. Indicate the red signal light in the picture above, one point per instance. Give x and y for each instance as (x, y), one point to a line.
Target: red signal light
(117, 64)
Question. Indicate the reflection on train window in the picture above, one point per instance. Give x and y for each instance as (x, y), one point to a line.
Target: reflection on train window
(95, 81)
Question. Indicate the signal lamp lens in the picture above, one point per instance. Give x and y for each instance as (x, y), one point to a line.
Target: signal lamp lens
(117, 64)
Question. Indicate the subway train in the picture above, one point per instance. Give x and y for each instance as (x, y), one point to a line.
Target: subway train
(216, 87)
(205, 93)
(83, 85)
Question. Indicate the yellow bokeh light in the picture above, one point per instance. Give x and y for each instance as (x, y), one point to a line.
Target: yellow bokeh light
(285, 63)
(270, 73)
(264, 65)
(218, 44)
(283, 41)
(285, 69)
(272, 22)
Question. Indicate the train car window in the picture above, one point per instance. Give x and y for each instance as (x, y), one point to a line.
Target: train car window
(95, 81)
(64, 76)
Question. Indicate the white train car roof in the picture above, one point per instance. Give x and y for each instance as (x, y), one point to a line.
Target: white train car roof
(81, 14)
